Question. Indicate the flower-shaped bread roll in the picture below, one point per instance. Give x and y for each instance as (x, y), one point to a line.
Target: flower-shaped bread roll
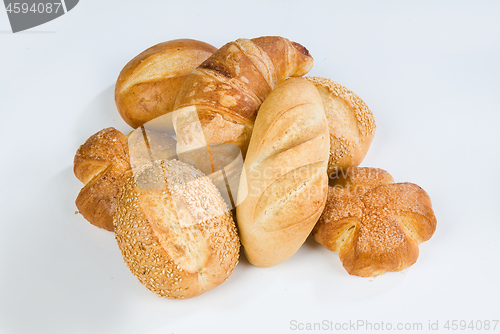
(100, 163)
(373, 223)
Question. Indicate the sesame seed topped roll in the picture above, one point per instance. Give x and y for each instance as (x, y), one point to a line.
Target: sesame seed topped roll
(175, 231)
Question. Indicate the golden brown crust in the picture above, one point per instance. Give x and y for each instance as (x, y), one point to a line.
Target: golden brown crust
(342, 211)
(228, 88)
(379, 228)
(147, 86)
(351, 124)
(100, 163)
(175, 231)
(283, 190)
(359, 180)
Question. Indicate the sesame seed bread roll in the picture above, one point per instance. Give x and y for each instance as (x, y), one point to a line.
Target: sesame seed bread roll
(374, 224)
(284, 185)
(350, 122)
(148, 84)
(174, 230)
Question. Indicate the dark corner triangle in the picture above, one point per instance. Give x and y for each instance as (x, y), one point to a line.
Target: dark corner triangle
(70, 4)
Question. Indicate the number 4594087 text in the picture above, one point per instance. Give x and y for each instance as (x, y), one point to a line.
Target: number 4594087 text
(34, 8)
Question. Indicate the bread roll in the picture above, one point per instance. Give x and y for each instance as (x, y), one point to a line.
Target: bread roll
(100, 163)
(351, 124)
(284, 185)
(146, 145)
(222, 95)
(223, 164)
(174, 230)
(373, 223)
(147, 86)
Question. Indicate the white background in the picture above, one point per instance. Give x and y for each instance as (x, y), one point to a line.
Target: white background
(429, 71)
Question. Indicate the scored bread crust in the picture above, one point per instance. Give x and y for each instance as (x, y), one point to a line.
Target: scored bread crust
(350, 121)
(174, 230)
(373, 223)
(148, 84)
(228, 88)
(283, 188)
(100, 163)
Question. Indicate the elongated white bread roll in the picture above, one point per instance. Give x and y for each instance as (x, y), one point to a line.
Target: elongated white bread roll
(174, 230)
(283, 189)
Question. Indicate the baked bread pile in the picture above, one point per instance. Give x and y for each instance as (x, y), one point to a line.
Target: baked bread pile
(262, 157)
